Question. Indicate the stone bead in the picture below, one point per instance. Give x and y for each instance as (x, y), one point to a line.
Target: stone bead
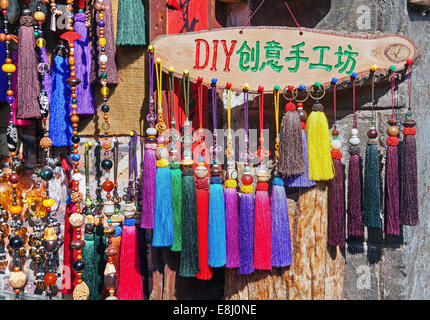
(39, 16)
(79, 265)
(110, 268)
(335, 144)
(50, 245)
(354, 131)
(40, 42)
(409, 123)
(129, 211)
(393, 131)
(109, 231)
(81, 291)
(78, 244)
(76, 220)
(50, 279)
(17, 280)
(16, 242)
(303, 115)
(106, 144)
(104, 91)
(108, 208)
(247, 179)
(105, 108)
(110, 280)
(48, 203)
(108, 186)
(106, 126)
(103, 58)
(151, 131)
(8, 68)
(77, 176)
(111, 298)
(50, 234)
(107, 164)
(15, 210)
(4, 4)
(372, 133)
(354, 140)
(13, 178)
(201, 171)
(161, 153)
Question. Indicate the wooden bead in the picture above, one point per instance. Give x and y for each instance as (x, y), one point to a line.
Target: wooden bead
(393, 131)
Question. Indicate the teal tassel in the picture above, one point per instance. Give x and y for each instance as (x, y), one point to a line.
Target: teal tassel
(163, 213)
(90, 273)
(131, 23)
(371, 197)
(216, 232)
(101, 258)
(176, 174)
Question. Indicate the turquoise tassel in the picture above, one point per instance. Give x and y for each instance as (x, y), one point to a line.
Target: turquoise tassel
(216, 231)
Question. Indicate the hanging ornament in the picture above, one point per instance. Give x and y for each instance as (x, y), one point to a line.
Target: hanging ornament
(189, 263)
(371, 189)
(302, 180)
(149, 160)
(355, 223)
(175, 168)
(408, 165)
(291, 161)
(262, 223)
(392, 223)
(247, 201)
(318, 134)
(280, 226)
(336, 219)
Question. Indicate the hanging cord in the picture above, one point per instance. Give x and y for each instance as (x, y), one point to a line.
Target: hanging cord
(294, 18)
(353, 103)
(87, 170)
(160, 126)
(229, 152)
(246, 156)
(252, 15)
(132, 168)
(186, 86)
(261, 152)
(215, 149)
(172, 97)
(409, 63)
(373, 96)
(98, 175)
(115, 168)
(276, 103)
(151, 114)
(393, 84)
(200, 107)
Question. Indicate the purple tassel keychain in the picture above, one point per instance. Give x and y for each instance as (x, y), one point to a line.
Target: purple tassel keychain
(280, 225)
(149, 159)
(392, 223)
(355, 222)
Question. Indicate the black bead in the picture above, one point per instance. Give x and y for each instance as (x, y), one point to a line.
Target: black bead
(107, 164)
(105, 108)
(75, 139)
(79, 265)
(46, 174)
(15, 242)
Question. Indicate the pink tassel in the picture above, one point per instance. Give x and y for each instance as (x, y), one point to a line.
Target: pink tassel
(130, 281)
(148, 190)
(262, 228)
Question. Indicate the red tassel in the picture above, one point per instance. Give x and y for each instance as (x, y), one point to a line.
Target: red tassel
(130, 281)
(202, 199)
(262, 235)
(69, 279)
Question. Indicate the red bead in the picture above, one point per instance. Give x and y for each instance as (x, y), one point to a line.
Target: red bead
(260, 89)
(199, 79)
(409, 62)
(13, 178)
(228, 85)
(108, 186)
(50, 279)
(247, 179)
(299, 105)
(290, 88)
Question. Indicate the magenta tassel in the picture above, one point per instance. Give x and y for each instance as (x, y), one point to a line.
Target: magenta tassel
(408, 181)
(246, 233)
(281, 239)
(129, 280)
(47, 76)
(392, 223)
(28, 79)
(232, 227)
(262, 228)
(83, 67)
(148, 190)
(355, 223)
(336, 219)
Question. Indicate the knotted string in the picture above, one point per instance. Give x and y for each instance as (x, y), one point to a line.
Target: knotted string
(132, 172)
(151, 114)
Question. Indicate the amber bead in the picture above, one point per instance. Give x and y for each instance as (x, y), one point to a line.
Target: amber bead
(372, 133)
(108, 186)
(72, 61)
(334, 133)
(303, 115)
(15, 209)
(4, 4)
(393, 131)
(50, 279)
(2, 37)
(74, 119)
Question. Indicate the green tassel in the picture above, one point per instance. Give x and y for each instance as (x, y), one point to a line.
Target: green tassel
(189, 265)
(177, 205)
(131, 23)
(90, 274)
(371, 197)
(101, 259)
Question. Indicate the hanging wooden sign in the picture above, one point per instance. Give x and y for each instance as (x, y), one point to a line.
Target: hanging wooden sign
(272, 56)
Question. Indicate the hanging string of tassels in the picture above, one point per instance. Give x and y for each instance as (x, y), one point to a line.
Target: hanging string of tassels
(149, 160)
(408, 165)
(280, 226)
(189, 263)
(392, 224)
(163, 211)
(202, 197)
(262, 223)
(247, 203)
(371, 188)
(302, 180)
(175, 168)
(318, 134)
(230, 193)
(291, 160)
(355, 223)
(336, 218)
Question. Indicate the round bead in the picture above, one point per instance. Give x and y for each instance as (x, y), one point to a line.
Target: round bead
(107, 164)
(374, 68)
(16, 242)
(105, 108)
(106, 144)
(15, 210)
(39, 16)
(10, 99)
(372, 133)
(355, 141)
(4, 4)
(17, 280)
(79, 265)
(393, 131)
(103, 58)
(8, 68)
(102, 41)
(336, 144)
(13, 178)
(50, 279)
(76, 157)
(108, 186)
(77, 176)
(76, 220)
(246, 87)
(75, 139)
(151, 131)
(48, 203)
(104, 91)
(247, 179)
(354, 131)
(334, 133)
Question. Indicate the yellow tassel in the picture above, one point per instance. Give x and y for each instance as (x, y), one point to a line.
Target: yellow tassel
(230, 183)
(319, 156)
(247, 189)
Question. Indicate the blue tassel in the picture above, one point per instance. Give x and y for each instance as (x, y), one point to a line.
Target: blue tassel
(163, 212)
(3, 76)
(60, 126)
(216, 232)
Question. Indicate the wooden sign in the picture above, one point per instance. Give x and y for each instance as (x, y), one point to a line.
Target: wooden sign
(270, 56)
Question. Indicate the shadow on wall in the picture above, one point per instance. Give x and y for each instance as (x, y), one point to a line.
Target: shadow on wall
(274, 12)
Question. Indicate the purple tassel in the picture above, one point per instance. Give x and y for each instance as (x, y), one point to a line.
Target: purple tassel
(232, 227)
(28, 87)
(408, 180)
(246, 233)
(83, 67)
(392, 223)
(281, 239)
(355, 223)
(336, 219)
(47, 75)
(302, 180)
(148, 190)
